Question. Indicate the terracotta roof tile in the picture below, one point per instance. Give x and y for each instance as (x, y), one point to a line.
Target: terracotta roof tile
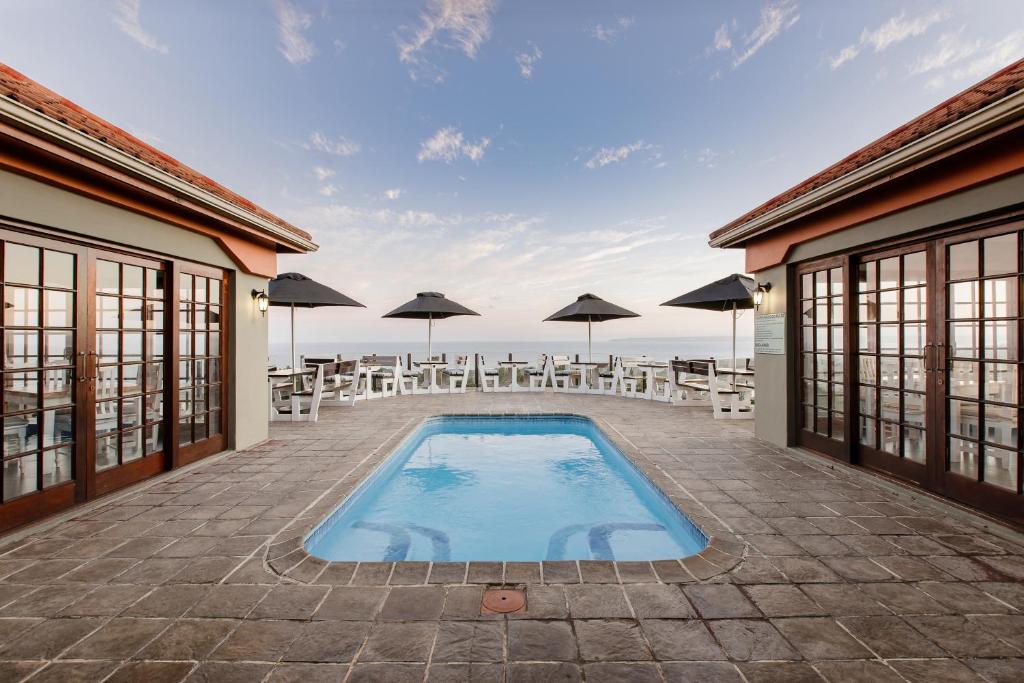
(994, 88)
(20, 88)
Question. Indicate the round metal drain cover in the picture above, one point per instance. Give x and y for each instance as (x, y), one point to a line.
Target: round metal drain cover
(503, 601)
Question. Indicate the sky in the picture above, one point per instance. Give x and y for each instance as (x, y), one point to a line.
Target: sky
(511, 154)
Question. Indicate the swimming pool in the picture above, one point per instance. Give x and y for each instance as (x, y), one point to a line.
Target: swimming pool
(523, 488)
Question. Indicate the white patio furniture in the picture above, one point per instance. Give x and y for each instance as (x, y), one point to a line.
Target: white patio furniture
(490, 377)
(288, 407)
(513, 369)
(656, 381)
(458, 376)
(560, 373)
(582, 370)
(689, 380)
(614, 380)
(343, 388)
(537, 373)
(429, 369)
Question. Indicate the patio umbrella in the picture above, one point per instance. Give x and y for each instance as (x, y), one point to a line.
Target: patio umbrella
(590, 308)
(297, 290)
(730, 293)
(429, 306)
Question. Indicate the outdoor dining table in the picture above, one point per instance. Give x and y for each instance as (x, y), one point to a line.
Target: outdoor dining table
(295, 375)
(650, 370)
(585, 368)
(432, 366)
(514, 365)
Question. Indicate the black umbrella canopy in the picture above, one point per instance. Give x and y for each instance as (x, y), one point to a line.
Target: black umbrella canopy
(295, 289)
(429, 305)
(720, 295)
(590, 308)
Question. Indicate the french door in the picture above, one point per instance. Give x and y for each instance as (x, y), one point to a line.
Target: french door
(931, 364)
(113, 370)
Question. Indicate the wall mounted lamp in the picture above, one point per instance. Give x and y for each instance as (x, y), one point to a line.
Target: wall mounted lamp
(262, 301)
(762, 289)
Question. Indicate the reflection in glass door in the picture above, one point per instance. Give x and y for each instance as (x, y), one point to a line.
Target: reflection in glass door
(982, 397)
(38, 368)
(821, 340)
(129, 361)
(892, 338)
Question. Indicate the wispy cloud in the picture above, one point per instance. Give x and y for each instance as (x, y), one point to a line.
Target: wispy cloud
(126, 18)
(292, 22)
(895, 30)
(448, 144)
(460, 24)
(393, 193)
(776, 18)
(527, 58)
(322, 173)
(613, 155)
(954, 59)
(612, 32)
(342, 147)
(708, 157)
(722, 40)
(328, 190)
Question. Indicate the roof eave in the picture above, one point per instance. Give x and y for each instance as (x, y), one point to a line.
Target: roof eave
(61, 134)
(997, 114)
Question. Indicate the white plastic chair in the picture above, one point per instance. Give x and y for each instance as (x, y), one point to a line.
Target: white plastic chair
(458, 376)
(490, 378)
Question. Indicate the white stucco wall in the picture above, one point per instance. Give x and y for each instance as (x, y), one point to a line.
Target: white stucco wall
(28, 200)
(772, 379)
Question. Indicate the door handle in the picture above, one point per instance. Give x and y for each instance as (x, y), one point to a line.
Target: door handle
(929, 360)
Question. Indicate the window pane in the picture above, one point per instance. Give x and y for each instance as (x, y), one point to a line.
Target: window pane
(837, 369)
(58, 347)
(964, 340)
(106, 417)
(963, 418)
(185, 287)
(20, 476)
(21, 433)
(1000, 254)
(1001, 424)
(133, 445)
(131, 280)
(155, 283)
(914, 304)
(214, 422)
(869, 369)
(21, 391)
(21, 306)
(807, 285)
(890, 404)
(57, 466)
(185, 431)
(1001, 297)
(914, 338)
(108, 347)
(21, 264)
(867, 276)
(963, 261)
(21, 349)
(868, 432)
(1001, 339)
(60, 309)
(154, 346)
(154, 438)
(889, 339)
(963, 379)
(890, 438)
(154, 407)
(963, 457)
(889, 272)
(58, 426)
(821, 283)
(106, 381)
(914, 270)
(965, 300)
(913, 444)
(835, 277)
(132, 350)
(133, 313)
(868, 309)
(131, 379)
(913, 409)
(888, 308)
(1001, 467)
(1001, 382)
(913, 374)
(867, 400)
(107, 277)
(867, 338)
(59, 386)
(215, 286)
(108, 312)
(106, 452)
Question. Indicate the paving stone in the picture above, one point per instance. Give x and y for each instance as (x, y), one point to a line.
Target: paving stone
(392, 673)
(465, 673)
(658, 601)
(337, 573)
(308, 673)
(843, 600)
(485, 572)
(189, 639)
(611, 672)
(228, 672)
(781, 601)
(463, 602)
(930, 670)
(858, 671)
(372, 574)
(543, 673)
(67, 672)
(544, 602)
(414, 603)
(608, 640)
(961, 637)
(258, 640)
(779, 672)
(964, 598)
(820, 638)
(597, 571)
(804, 570)
(681, 639)
(720, 601)
(399, 642)
(635, 572)
(409, 573)
(597, 602)
(709, 672)
(353, 604)
(903, 598)
(448, 572)
(1008, 627)
(858, 569)
(560, 572)
(151, 672)
(228, 601)
(551, 641)
(327, 641)
(890, 637)
(106, 600)
(522, 572)
(998, 670)
(118, 639)
(290, 602)
(749, 639)
(469, 641)
(49, 638)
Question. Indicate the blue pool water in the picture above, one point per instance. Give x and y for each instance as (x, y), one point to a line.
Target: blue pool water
(506, 488)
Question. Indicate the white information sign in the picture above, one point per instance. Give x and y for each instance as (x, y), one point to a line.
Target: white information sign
(770, 333)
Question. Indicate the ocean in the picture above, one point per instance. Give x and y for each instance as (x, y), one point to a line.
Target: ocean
(660, 348)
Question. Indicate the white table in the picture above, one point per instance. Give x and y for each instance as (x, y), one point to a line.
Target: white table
(514, 366)
(650, 371)
(432, 366)
(584, 368)
(293, 374)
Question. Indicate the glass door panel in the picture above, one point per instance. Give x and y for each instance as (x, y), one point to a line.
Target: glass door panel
(981, 367)
(821, 365)
(40, 356)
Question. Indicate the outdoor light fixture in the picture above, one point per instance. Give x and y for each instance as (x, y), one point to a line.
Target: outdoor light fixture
(262, 301)
(761, 290)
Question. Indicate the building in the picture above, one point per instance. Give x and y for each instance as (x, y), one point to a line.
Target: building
(899, 273)
(132, 341)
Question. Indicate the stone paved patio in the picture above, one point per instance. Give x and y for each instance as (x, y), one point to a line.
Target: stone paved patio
(820, 575)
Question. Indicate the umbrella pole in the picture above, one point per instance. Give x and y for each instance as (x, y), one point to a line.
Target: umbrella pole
(430, 334)
(294, 363)
(734, 345)
(590, 352)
